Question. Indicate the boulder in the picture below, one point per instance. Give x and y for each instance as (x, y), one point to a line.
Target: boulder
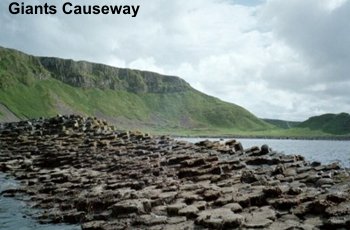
(265, 149)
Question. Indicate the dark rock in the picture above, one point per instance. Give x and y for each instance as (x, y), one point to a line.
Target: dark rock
(188, 172)
(337, 197)
(248, 177)
(263, 160)
(315, 163)
(73, 216)
(206, 144)
(319, 206)
(264, 149)
(178, 159)
(272, 192)
(235, 145)
(279, 169)
(173, 209)
(217, 170)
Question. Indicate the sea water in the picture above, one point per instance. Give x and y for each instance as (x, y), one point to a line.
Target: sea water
(15, 214)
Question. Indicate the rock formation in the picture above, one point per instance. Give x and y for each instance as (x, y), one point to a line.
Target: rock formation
(81, 170)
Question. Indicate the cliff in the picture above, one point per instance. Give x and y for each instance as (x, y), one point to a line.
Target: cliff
(90, 75)
(32, 87)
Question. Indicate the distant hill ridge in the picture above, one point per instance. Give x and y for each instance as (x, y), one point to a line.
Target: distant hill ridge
(44, 86)
(329, 123)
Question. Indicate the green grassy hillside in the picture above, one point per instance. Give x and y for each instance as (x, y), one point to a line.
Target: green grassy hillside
(31, 87)
(329, 123)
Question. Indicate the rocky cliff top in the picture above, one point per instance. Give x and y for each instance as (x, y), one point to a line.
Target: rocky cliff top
(81, 170)
(91, 75)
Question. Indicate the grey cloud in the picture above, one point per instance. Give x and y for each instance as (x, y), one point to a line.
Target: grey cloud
(319, 34)
(319, 37)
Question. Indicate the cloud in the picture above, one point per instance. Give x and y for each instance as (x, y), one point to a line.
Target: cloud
(278, 59)
(315, 29)
(316, 32)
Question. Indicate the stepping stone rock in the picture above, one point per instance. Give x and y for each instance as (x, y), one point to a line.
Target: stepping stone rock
(174, 209)
(189, 211)
(137, 206)
(235, 207)
(260, 218)
(219, 218)
(150, 220)
(93, 225)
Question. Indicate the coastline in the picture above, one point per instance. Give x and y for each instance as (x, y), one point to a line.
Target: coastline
(330, 138)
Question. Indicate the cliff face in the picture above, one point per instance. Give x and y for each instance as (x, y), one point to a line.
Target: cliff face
(90, 75)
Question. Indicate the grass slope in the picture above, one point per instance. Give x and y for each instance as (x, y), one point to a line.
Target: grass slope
(163, 104)
(329, 123)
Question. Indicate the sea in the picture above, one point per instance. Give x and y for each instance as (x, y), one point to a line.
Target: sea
(16, 214)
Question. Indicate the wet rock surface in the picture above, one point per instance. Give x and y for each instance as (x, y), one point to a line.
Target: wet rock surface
(81, 170)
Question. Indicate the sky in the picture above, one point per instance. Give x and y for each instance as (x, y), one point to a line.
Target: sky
(278, 59)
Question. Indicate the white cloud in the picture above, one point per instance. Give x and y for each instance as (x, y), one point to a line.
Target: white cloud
(278, 59)
(334, 4)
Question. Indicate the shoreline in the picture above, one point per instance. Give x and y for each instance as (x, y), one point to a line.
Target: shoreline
(262, 137)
